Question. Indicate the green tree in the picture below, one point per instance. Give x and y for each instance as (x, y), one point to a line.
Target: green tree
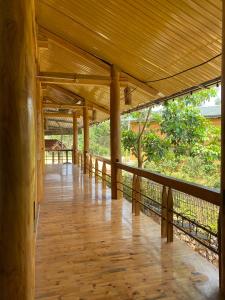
(183, 124)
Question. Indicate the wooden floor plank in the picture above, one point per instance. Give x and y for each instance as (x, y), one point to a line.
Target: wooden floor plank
(89, 247)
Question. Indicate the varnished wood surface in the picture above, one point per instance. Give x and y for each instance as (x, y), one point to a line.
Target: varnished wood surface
(89, 247)
(18, 184)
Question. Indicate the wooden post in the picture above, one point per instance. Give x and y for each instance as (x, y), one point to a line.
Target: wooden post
(170, 216)
(104, 176)
(137, 196)
(133, 192)
(96, 171)
(222, 206)
(40, 145)
(115, 135)
(164, 213)
(86, 137)
(119, 181)
(59, 157)
(75, 139)
(53, 157)
(17, 149)
(90, 166)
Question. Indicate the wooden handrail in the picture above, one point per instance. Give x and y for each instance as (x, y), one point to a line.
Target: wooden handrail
(102, 159)
(204, 193)
(59, 150)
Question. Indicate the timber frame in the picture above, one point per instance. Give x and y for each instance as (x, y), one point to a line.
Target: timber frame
(51, 75)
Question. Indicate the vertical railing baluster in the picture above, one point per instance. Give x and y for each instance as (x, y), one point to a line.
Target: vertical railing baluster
(96, 170)
(104, 175)
(164, 213)
(90, 166)
(170, 216)
(119, 182)
(67, 156)
(133, 193)
(137, 196)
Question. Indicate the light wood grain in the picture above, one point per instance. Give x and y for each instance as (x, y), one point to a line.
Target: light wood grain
(115, 132)
(17, 149)
(90, 247)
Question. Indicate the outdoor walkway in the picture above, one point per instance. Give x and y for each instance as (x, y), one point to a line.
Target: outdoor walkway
(89, 247)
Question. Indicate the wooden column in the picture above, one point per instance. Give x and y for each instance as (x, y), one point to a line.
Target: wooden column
(17, 149)
(40, 144)
(86, 137)
(222, 207)
(115, 135)
(75, 139)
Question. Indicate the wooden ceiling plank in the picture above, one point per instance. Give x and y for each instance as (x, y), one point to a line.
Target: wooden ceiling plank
(70, 94)
(97, 61)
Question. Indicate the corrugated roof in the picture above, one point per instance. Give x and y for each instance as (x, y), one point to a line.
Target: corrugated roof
(148, 40)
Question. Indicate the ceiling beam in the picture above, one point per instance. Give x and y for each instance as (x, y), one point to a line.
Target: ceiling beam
(97, 61)
(42, 44)
(66, 92)
(80, 79)
(90, 103)
(57, 115)
(62, 106)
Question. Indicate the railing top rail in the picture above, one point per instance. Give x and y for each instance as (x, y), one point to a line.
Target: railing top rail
(204, 193)
(103, 159)
(58, 150)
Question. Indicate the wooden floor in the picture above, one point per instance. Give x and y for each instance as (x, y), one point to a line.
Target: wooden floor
(89, 247)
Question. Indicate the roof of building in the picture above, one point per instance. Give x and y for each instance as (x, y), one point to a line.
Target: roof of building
(161, 47)
(213, 111)
(50, 144)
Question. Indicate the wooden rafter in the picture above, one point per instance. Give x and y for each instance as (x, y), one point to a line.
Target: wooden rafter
(62, 106)
(68, 93)
(97, 61)
(72, 78)
(90, 103)
(57, 115)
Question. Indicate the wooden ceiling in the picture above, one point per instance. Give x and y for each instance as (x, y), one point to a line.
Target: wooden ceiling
(147, 39)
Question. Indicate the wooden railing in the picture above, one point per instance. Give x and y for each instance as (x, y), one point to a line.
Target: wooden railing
(58, 156)
(190, 208)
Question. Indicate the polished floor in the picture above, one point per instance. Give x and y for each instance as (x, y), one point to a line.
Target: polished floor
(89, 247)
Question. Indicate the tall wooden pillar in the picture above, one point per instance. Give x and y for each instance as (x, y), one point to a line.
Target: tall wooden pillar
(222, 207)
(17, 149)
(115, 134)
(86, 138)
(40, 144)
(75, 139)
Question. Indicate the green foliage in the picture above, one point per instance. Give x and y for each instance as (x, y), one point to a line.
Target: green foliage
(130, 141)
(100, 139)
(154, 147)
(183, 125)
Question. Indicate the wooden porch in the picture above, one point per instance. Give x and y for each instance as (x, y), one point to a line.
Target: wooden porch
(92, 247)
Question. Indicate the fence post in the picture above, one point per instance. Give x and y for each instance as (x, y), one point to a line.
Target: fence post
(81, 161)
(104, 175)
(90, 166)
(119, 183)
(66, 156)
(137, 196)
(133, 193)
(58, 157)
(53, 157)
(164, 213)
(170, 216)
(96, 171)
